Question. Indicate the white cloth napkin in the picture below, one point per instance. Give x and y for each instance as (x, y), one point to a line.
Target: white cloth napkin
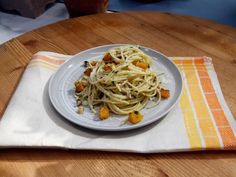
(31, 121)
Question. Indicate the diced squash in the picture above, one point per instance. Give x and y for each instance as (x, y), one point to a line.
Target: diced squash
(93, 63)
(107, 58)
(88, 71)
(79, 87)
(107, 67)
(142, 65)
(135, 117)
(104, 112)
(165, 93)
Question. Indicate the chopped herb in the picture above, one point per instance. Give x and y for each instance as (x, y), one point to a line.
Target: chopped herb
(135, 112)
(86, 64)
(101, 95)
(160, 74)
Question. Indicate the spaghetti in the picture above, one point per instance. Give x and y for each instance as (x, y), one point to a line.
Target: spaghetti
(121, 81)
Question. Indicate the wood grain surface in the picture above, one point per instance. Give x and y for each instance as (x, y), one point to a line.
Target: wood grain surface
(172, 35)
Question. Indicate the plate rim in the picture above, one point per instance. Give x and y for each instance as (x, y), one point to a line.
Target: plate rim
(118, 128)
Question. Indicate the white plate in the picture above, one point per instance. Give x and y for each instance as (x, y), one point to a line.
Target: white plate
(61, 91)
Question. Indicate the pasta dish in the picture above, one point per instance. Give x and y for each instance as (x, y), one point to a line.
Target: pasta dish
(121, 82)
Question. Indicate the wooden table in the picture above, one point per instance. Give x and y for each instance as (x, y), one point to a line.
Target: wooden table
(172, 35)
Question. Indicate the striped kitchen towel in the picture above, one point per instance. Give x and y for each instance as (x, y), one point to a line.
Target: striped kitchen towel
(201, 120)
(208, 121)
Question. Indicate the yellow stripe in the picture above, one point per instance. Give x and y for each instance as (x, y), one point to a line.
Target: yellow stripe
(205, 122)
(190, 124)
(45, 62)
(43, 65)
(189, 119)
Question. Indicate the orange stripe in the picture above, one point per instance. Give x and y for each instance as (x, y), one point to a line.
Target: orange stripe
(199, 61)
(220, 118)
(202, 73)
(50, 60)
(227, 135)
